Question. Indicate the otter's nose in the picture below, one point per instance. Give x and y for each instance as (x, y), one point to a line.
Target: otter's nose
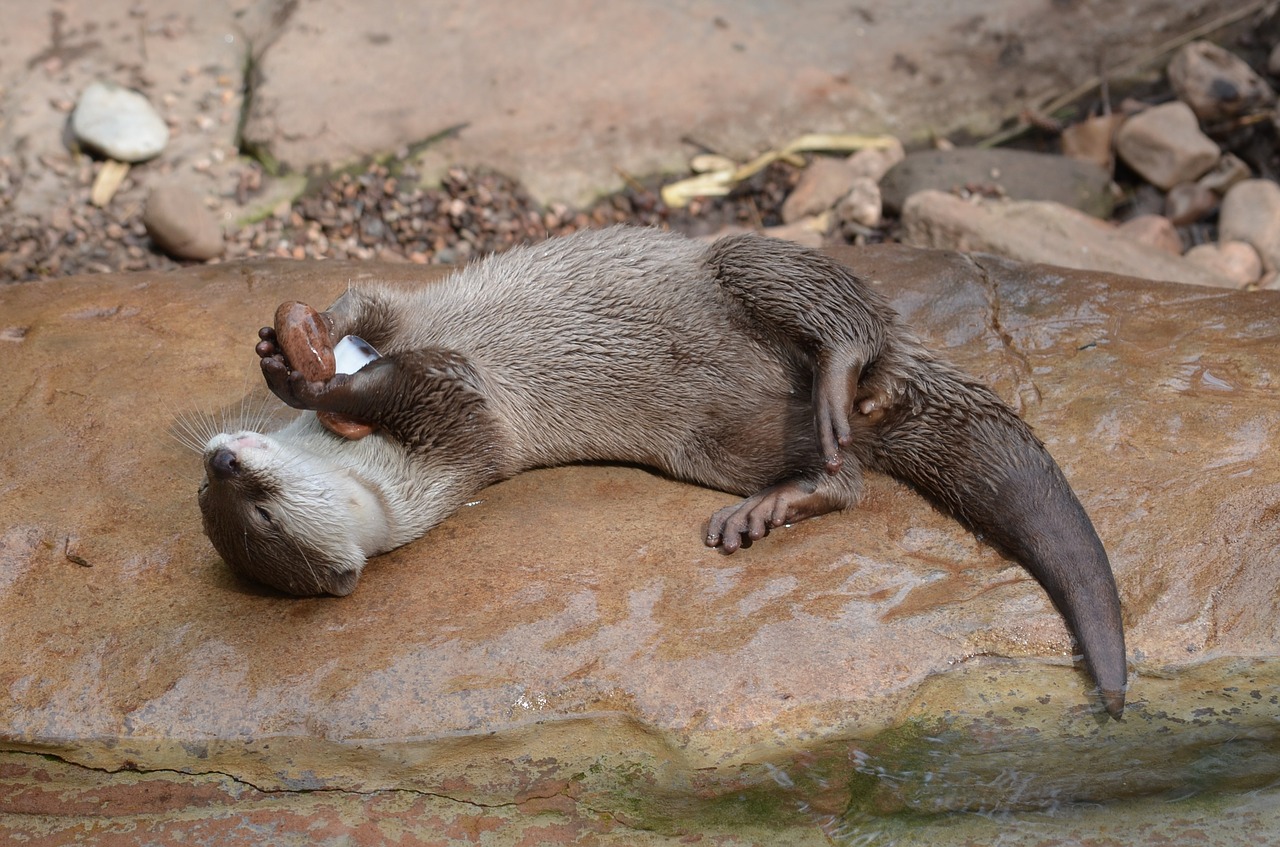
(223, 464)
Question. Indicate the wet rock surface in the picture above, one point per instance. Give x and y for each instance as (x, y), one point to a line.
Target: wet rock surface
(568, 647)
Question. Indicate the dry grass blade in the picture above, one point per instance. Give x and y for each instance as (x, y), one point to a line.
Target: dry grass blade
(725, 175)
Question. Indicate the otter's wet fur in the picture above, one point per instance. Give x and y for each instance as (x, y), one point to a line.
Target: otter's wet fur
(749, 365)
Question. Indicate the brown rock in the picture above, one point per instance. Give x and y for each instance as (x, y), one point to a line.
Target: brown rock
(821, 186)
(1092, 140)
(1251, 212)
(1232, 260)
(1188, 202)
(811, 231)
(1154, 231)
(1165, 145)
(1040, 232)
(181, 225)
(1215, 83)
(569, 637)
(861, 205)
(874, 162)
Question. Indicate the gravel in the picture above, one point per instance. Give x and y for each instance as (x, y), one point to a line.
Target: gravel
(378, 212)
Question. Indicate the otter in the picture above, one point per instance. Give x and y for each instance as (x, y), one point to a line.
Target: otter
(749, 365)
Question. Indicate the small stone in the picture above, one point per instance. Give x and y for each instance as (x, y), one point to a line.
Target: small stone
(1154, 231)
(874, 162)
(811, 232)
(180, 224)
(119, 123)
(1165, 145)
(862, 204)
(1188, 202)
(1232, 260)
(1251, 212)
(1215, 83)
(1229, 170)
(821, 186)
(1092, 140)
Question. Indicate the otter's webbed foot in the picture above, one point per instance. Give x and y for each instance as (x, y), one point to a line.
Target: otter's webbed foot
(835, 382)
(784, 503)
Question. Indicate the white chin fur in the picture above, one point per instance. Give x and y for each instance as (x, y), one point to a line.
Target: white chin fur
(322, 498)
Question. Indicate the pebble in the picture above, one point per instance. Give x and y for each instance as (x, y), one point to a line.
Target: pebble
(181, 225)
(1017, 174)
(821, 186)
(874, 162)
(1154, 231)
(862, 204)
(1216, 83)
(1188, 202)
(1092, 140)
(1233, 260)
(1229, 170)
(1251, 213)
(811, 231)
(119, 123)
(1165, 145)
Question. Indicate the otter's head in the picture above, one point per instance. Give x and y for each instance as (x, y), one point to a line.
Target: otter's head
(284, 515)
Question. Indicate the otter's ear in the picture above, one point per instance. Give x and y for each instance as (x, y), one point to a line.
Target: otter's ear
(344, 583)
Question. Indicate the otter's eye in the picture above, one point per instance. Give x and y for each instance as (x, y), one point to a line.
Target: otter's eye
(264, 514)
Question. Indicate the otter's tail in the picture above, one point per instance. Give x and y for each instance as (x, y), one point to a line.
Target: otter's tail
(958, 444)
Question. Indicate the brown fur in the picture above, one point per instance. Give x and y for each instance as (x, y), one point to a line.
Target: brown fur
(751, 365)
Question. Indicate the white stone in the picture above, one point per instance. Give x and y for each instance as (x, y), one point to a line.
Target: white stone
(118, 123)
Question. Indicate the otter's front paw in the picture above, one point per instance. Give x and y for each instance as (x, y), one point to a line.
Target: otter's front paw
(298, 363)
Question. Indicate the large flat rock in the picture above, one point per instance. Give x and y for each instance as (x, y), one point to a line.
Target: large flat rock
(568, 638)
(564, 94)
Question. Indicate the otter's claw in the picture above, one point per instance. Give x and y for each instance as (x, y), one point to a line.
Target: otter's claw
(269, 346)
